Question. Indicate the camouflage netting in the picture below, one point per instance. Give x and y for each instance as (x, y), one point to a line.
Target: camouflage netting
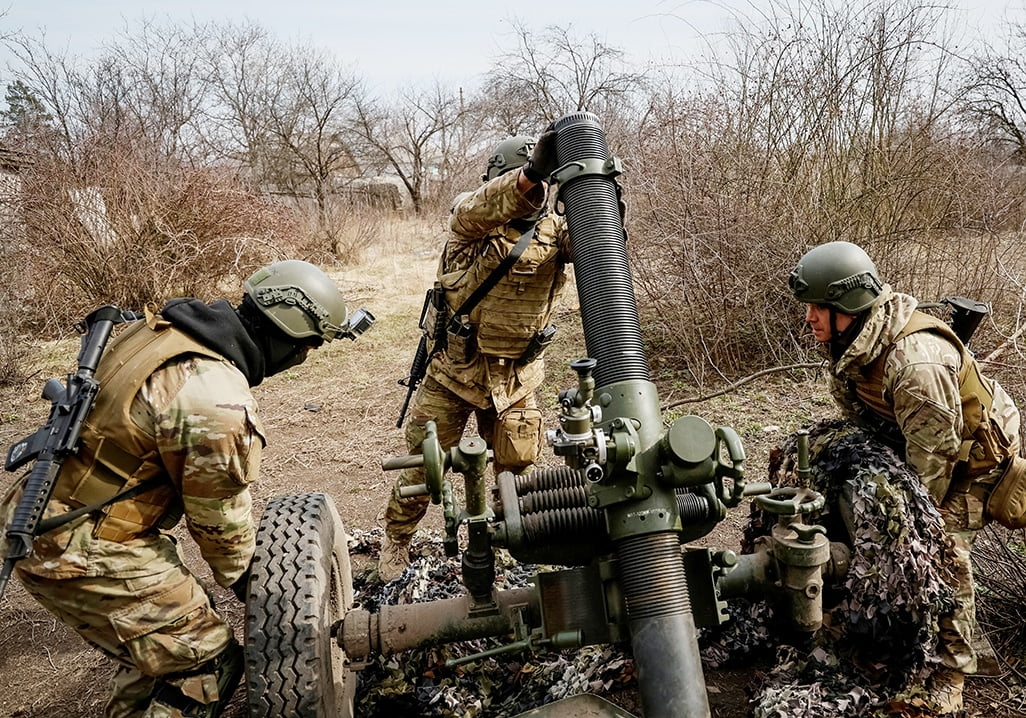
(418, 682)
(879, 639)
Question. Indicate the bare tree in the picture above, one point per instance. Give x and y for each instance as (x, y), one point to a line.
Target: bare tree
(421, 136)
(310, 102)
(244, 70)
(995, 90)
(553, 73)
(145, 88)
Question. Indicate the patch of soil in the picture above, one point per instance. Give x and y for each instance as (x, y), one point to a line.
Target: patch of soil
(329, 424)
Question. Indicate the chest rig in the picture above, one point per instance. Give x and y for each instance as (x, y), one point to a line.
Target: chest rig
(519, 305)
(118, 447)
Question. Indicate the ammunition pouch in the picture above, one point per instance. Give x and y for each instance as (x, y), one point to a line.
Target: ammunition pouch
(436, 314)
(517, 439)
(461, 342)
(537, 345)
(1007, 501)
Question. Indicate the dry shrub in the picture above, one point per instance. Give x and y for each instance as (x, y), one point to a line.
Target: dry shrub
(119, 226)
(342, 231)
(813, 131)
(14, 356)
(999, 562)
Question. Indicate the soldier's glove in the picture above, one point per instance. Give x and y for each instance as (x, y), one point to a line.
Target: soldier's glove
(241, 586)
(543, 160)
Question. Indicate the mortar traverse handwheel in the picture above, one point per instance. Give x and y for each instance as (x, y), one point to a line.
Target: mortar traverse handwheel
(791, 501)
(301, 584)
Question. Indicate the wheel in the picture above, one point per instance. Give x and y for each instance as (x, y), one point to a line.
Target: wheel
(301, 584)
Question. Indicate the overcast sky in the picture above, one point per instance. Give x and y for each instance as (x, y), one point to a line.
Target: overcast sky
(397, 42)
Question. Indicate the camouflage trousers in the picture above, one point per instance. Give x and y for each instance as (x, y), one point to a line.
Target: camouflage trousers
(514, 437)
(956, 629)
(963, 515)
(152, 626)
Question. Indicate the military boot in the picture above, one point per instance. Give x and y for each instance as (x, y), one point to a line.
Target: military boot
(394, 558)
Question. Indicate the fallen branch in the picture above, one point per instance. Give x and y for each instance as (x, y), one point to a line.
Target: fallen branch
(742, 382)
(1004, 345)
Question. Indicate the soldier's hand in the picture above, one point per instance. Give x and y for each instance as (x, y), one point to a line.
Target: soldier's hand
(543, 161)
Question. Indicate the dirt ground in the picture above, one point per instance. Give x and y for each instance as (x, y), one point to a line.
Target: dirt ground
(329, 423)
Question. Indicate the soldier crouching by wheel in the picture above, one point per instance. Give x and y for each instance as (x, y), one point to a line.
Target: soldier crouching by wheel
(174, 416)
(501, 271)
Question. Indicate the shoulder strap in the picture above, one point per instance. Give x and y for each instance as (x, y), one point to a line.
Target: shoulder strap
(55, 521)
(492, 279)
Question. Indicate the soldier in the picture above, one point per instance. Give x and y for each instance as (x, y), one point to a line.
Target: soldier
(491, 365)
(175, 410)
(908, 376)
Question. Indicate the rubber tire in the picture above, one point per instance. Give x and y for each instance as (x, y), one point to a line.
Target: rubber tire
(301, 584)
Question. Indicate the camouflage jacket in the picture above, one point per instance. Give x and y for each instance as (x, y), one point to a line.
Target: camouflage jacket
(920, 384)
(201, 418)
(483, 230)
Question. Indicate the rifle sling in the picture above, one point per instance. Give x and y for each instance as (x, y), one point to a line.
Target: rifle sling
(56, 521)
(492, 279)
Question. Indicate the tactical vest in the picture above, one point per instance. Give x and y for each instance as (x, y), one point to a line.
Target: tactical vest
(984, 445)
(116, 452)
(520, 304)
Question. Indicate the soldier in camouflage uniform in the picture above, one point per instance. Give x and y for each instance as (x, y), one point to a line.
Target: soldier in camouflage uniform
(906, 375)
(486, 369)
(174, 408)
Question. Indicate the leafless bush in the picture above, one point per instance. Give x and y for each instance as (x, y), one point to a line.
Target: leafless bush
(999, 562)
(14, 354)
(122, 227)
(341, 233)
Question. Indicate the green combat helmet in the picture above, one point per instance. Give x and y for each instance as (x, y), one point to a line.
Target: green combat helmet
(508, 155)
(838, 275)
(300, 299)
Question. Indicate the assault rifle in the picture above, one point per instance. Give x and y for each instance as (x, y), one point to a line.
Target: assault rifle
(58, 438)
(432, 323)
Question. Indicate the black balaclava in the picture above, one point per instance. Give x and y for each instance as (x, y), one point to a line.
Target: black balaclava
(280, 351)
(219, 327)
(243, 335)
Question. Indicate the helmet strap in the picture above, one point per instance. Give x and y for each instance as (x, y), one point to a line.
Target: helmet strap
(841, 340)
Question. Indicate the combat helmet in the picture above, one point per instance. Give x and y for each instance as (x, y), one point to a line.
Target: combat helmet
(300, 299)
(838, 275)
(509, 154)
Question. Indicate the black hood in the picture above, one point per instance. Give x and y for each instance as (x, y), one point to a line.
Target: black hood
(218, 327)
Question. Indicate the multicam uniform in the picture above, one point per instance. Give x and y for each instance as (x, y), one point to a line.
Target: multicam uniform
(481, 376)
(172, 409)
(958, 429)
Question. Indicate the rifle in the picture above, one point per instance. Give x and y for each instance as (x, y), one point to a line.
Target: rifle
(965, 315)
(58, 438)
(433, 328)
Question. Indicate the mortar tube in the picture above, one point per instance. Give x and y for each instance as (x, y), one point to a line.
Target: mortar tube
(663, 634)
(609, 312)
